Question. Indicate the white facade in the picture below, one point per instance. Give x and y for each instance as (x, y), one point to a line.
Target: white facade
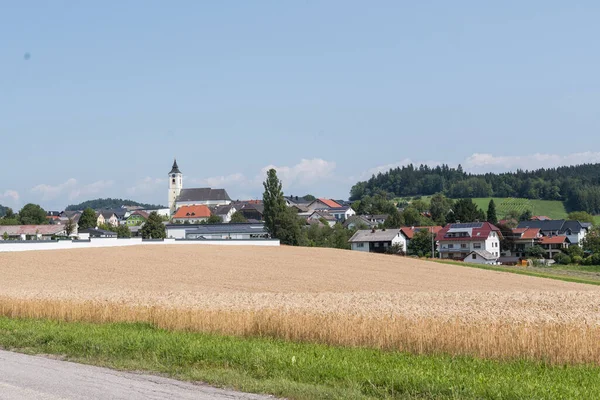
(475, 258)
(208, 203)
(456, 248)
(362, 246)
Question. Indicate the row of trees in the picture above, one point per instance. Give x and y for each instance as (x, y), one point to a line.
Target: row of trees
(30, 214)
(578, 186)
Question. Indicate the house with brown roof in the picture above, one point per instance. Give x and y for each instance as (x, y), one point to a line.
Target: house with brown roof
(457, 241)
(320, 204)
(554, 245)
(191, 214)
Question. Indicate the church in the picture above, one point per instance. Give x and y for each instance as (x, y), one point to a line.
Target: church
(178, 196)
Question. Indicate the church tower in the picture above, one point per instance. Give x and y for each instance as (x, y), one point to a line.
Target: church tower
(175, 185)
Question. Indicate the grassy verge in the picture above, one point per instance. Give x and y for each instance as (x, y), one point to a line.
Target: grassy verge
(297, 370)
(525, 271)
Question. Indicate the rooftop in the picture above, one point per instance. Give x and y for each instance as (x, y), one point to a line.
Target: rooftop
(202, 194)
(200, 211)
(374, 235)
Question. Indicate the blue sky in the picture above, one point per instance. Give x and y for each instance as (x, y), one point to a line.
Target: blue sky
(328, 92)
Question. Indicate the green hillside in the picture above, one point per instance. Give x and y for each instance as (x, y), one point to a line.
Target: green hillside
(550, 208)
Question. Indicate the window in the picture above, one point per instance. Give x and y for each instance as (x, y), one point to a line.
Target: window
(477, 245)
(450, 255)
(376, 244)
(474, 256)
(360, 245)
(463, 246)
(173, 180)
(385, 244)
(450, 246)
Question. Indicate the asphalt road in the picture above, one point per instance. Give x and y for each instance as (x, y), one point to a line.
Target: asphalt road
(24, 377)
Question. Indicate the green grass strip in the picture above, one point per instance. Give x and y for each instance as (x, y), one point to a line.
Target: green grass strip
(516, 270)
(297, 370)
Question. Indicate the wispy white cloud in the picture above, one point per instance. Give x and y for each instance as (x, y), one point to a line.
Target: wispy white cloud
(70, 189)
(485, 162)
(304, 173)
(11, 196)
(220, 181)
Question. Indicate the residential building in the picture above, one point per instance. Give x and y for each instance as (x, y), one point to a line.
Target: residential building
(554, 245)
(52, 216)
(32, 232)
(225, 212)
(251, 210)
(377, 240)
(457, 241)
(106, 217)
(574, 230)
(359, 221)
(341, 214)
(409, 232)
(136, 218)
(522, 239)
(540, 218)
(378, 219)
(322, 204)
(296, 200)
(191, 214)
(322, 216)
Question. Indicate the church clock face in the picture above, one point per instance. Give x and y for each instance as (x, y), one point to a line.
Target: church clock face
(173, 176)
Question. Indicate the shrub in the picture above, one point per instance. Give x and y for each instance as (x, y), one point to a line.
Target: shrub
(562, 258)
(577, 259)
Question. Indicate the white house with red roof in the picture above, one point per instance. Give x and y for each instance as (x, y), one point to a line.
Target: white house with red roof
(457, 241)
(523, 239)
(322, 204)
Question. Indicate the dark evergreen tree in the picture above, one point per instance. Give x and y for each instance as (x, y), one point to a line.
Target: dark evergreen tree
(491, 213)
(87, 219)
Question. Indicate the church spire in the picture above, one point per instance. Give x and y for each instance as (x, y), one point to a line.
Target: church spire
(175, 168)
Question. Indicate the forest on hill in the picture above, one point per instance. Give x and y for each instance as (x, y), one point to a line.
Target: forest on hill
(108, 204)
(577, 186)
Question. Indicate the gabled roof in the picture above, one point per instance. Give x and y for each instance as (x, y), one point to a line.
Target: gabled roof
(540, 218)
(378, 216)
(107, 214)
(14, 230)
(474, 230)
(329, 203)
(141, 213)
(175, 168)
(337, 210)
(374, 235)
(298, 200)
(358, 220)
(486, 255)
(322, 214)
(200, 211)
(203, 194)
(526, 233)
(559, 225)
(554, 239)
(222, 210)
(409, 232)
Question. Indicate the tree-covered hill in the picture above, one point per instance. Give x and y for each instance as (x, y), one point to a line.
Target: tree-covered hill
(577, 186)
(2, 210)
(109, 203)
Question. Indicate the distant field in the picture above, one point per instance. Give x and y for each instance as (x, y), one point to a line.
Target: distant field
(549, 208)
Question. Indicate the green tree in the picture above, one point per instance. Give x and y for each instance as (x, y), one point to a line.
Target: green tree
(466, 211)
(214, 219)
(154, 227)
(280, 221)
(421, 243)
(123, 231)
(309, 197)
(5, 236)
(411, 216)
(394, 220)
(491, 213)
(9, 214)
(581, 216)
(69, 226)
(591, 243)
(439, 207)
(87, 219)
(237, 218)
(526, 216)
(535, 252)
(32, 214)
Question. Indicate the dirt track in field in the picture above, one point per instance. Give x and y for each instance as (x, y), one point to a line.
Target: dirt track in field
(319, 280)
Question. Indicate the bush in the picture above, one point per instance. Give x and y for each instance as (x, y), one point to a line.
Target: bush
(587, 261)
(577, 259)
(562, 258)
(595, 259)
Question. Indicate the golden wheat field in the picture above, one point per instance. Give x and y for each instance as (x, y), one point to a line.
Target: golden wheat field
(323, 295)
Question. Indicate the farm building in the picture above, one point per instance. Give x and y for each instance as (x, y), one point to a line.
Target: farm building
(32, 232)
(217, 231)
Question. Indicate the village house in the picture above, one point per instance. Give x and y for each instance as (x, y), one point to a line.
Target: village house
(341, 214)
(252, 210)
(322, 216)
(230, 231)
(574, 230)
(224, 212)
(457, 241)
(481, 257)
(136, 218)
(523, 239)
(32, 232)
(377, 240)
(322, 204)
(554, 245)
(106, 217)
(358, 222)
(191, 214)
